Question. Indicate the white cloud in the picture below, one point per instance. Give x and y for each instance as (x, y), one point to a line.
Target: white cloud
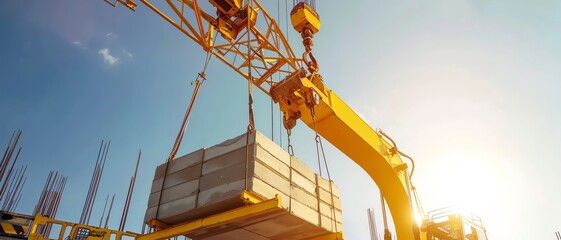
(78, 44)
(109, 34)
(127, 53)
(107, 57)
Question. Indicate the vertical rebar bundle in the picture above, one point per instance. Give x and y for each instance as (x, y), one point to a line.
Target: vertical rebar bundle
(94, 183)
(12, 182)
(129, 195)
(15, 184)
(49, 200)
(6, 159)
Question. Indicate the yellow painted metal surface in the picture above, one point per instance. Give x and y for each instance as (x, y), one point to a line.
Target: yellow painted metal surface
(304, 16)
(14, 224)
(270, 55)
(260, 208)
(252, 198)
(8, 228)
(227, 7)
(257, 217)
(98, 233)
(343, 128)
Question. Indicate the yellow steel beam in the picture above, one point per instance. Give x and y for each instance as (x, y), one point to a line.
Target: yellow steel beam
(169, 20)
(347, 131)
(271, 71)
(260, 208)
(252, 198)
(197, 11)
(184, 21)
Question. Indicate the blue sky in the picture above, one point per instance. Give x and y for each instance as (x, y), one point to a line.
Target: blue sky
(468, 88)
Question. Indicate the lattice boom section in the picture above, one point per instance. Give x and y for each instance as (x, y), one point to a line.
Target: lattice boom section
(269, 57)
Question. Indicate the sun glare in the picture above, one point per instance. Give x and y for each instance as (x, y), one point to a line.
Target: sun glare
(468, 182)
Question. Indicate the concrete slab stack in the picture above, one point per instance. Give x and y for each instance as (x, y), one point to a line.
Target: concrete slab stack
(210, 181)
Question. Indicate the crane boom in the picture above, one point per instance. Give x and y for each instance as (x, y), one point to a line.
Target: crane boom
(342, 127)
(300, 95)
(263, 49)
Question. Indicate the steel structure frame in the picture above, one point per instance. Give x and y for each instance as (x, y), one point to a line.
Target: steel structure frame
(256, 54)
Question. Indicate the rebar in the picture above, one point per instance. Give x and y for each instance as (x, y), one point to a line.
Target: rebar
(5, 183)
(129, 195)
(12, 145)
(103, 213)
(94, 182)
(109, 212)
(50, 198)
(88, 196)
(8, 186)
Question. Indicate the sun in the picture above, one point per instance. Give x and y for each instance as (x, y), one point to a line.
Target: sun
(465, 181)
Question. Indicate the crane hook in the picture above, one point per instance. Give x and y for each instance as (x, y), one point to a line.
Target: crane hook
(307, 36)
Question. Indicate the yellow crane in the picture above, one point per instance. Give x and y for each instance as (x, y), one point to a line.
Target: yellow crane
(262, 50)
(244, 36)
(253, 45)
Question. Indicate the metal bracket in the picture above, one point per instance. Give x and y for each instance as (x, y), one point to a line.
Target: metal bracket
(295, 91)
(157, 224)
(250, 198)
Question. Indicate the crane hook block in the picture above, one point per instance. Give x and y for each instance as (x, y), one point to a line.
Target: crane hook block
(292, 93)
(303, 16)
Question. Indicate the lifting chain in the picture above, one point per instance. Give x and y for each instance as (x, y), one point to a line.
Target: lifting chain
(319, 148)
(289, 148)
(251, 124)
(317, 140)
